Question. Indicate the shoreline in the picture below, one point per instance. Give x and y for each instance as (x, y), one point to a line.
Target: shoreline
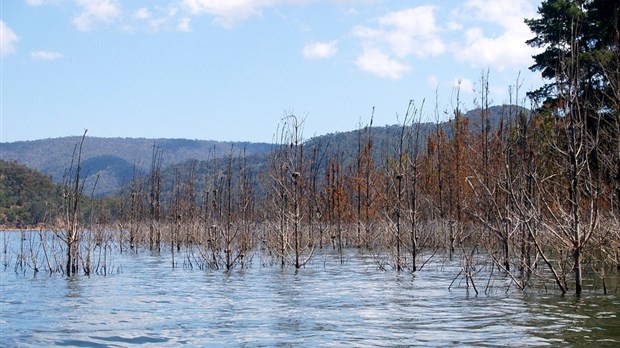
(5, 228)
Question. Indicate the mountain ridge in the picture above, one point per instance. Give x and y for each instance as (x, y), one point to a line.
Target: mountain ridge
(112, 162)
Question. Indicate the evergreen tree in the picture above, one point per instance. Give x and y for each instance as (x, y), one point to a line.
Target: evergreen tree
(580, 38)
(580, 58)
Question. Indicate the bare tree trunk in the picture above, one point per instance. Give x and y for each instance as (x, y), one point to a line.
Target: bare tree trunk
(73, 188)
(155, 204)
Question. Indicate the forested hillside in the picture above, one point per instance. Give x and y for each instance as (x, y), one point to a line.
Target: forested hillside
(385, 139)
(343, 146)
(27, 197)
(111, 162)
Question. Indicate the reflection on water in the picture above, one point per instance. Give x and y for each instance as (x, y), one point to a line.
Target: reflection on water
(326, 304)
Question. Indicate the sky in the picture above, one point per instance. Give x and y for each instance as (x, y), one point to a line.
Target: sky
(231, 70)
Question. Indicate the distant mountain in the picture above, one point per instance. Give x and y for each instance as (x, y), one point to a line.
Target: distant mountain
(111, 162)
(385, 138)
(343, 145)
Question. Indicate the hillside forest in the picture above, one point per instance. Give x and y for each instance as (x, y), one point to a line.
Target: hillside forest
(532, 192)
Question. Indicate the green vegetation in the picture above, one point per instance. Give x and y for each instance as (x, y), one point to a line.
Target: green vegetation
(27, 197)
(111, 162)
(581, 60)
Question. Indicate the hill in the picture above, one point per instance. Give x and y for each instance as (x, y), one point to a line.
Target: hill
(386, 138)
(26, 196)
(343, 145)
(112, 162)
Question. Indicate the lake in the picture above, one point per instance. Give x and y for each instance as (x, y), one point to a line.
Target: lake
(144, 301)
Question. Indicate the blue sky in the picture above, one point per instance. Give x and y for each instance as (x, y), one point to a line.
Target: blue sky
(230, 70)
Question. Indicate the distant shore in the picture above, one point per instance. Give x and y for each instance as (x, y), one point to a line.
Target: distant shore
(26, 228)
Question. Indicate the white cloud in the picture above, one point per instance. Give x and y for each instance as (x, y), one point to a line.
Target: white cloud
(45, 55)
(8, 38)
(94, 11)
(504, 13)
(229, 12)
(465, 85)
(158, 18)
(503, 50)
(142, 13)
(455, 26)
(351, 11)
(184, 25)
(432, 81)
(400, 35)
(413, 31)
(380, 64)
(40, 2)
(320, 50)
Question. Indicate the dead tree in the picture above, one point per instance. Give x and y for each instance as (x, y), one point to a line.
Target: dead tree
(155, 199)
(73, 187)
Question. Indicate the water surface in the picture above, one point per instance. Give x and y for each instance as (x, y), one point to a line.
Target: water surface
(144, 301)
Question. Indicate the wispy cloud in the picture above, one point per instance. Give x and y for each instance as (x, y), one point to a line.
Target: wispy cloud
(413, 31)
(475, 32)
(40, 2)
(432, 81)
(45, 55)
(464, 85)
(227, 13)
(142, 13)
(500, 51)
(184, 24)
(8, 38)
(160, 18)
(380, 64)
(93, 11)
(320, 50)
(399, 36)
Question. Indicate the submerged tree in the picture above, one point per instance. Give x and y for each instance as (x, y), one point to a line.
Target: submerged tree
(286, 185)
(73, 186)
(580, 58)
(155, 199)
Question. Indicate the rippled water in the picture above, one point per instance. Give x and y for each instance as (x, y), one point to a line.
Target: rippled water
(147, 302)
